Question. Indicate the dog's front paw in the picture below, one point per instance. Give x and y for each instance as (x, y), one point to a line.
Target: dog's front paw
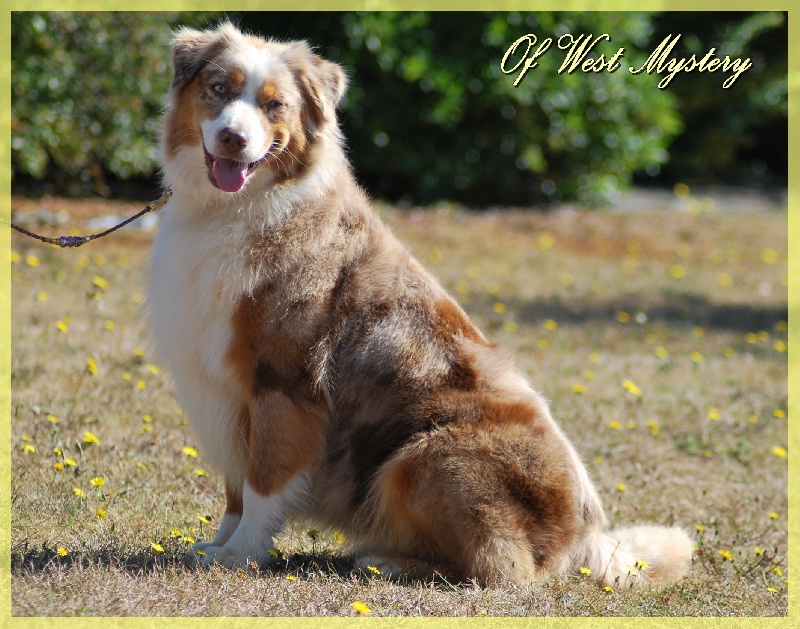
(205, 554)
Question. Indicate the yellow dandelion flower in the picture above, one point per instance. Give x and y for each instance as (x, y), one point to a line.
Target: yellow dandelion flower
(677, 271)
(777, 570)
(52, 418)
(578, 388)
(141, 384)
(697, 357)
(153, 369)
(724, 280)
(62, 326)
(373, 570)
(291, 577)
(91, 365)
(98, 481)
(79, 492)
(338, 537)
(157, 547)
(188, 540)
(631, 388)
(655, 429)
(726, 554)
(782, 326)
(589, 375)
(58, 465)
(598, 460)
(499, 307)
(57, 451)
(62, 552)
(70, 462)
(594, 357)
(608, 588)
(550, 325)
(435, 256)
(632, 570)
(273, 553)
(510, 326)
(661, 351)
(99, 259)
(641, 564)
(138, 351)
(15, 257)
(101, 513)
(90, 437)
(199, 472)
(361, 608)
(110, 325)
(28, 448)
(147, 419)
(100, 282)
(713, 413)
(779, 413)
(41, 296)
(728, 352)
(138, 298)
(621, 487)
(698, 332)
(773, 515)
(700, 528)
(190, 451)
(615, 425)
(751, 338)
(763, 335)
(566, 279)
(623, 317)
(176, 533)
(126, 376)
(546, 240)
(31, 260)
(586, 571)
(708, 454)
(779, 452)
(542, 345)
(771, 589)
(779, 346)
(493, 289)
(770, 256)
(759, 551)
(204, 519)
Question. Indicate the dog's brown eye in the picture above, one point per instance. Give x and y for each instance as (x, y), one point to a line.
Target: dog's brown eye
(274, 105)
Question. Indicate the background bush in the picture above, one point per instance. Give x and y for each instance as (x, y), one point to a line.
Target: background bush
(429, 114)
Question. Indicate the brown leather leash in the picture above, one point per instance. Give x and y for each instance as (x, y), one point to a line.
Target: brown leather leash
(77, 241)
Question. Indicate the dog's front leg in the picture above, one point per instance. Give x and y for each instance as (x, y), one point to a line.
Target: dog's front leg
(285, 437)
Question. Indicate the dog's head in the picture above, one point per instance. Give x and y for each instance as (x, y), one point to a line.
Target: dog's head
(245, 110)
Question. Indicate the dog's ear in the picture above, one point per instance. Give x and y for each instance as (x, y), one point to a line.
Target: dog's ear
(192, 49)
(322, 83)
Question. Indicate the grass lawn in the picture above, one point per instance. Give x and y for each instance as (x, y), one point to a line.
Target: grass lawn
(659, 337)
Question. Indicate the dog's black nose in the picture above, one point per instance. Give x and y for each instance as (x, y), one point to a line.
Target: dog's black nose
(232, 140)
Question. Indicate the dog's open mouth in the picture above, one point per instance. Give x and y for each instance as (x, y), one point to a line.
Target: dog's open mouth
(227, 174)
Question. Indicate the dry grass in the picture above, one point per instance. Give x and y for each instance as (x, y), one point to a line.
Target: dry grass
(689, 308)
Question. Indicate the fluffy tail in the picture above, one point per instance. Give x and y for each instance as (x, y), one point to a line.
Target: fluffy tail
(639, 555)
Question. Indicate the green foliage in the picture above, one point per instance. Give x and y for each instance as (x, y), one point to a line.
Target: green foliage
(429, 115)
(88, 93)
(739, 134)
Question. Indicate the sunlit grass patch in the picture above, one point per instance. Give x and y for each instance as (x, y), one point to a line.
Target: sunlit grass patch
(673, 390)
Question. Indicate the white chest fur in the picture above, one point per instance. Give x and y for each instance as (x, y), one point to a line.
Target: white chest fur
(191, 303)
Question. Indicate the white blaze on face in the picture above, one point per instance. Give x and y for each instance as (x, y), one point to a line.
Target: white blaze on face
(242, 121)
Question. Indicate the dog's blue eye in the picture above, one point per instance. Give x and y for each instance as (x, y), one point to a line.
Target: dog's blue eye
(219, 88)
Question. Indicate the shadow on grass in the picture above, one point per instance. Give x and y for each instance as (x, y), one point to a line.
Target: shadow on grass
(668, 308)
(36, 562)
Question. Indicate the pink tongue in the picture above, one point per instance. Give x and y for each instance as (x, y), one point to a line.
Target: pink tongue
(229, 174)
